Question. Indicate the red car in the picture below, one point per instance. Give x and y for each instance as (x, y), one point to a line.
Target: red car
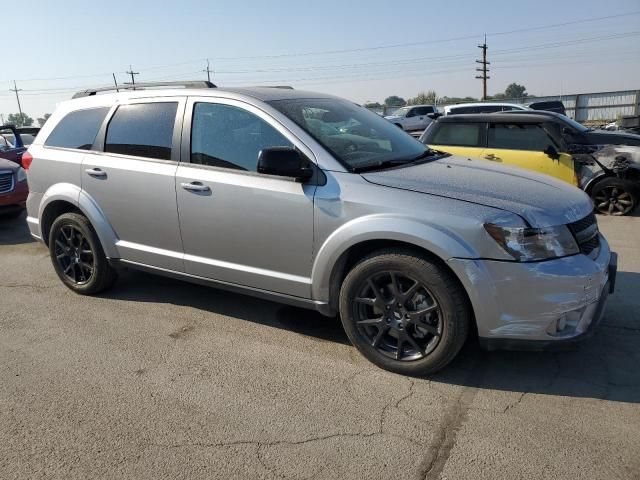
(13, 188)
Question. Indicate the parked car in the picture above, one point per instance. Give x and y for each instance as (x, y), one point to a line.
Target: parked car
(550, 106)
(576, 133)
(412, 118)
(255, 190)
(13, 189)
(611, 175)
(12, 144)
(479, 107)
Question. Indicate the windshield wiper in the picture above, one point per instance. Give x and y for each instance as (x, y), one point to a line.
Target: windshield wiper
(382, 164)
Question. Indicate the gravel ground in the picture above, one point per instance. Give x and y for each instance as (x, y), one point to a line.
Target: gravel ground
(162, 379)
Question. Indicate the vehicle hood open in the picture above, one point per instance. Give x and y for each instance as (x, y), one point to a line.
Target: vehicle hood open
(539, 199)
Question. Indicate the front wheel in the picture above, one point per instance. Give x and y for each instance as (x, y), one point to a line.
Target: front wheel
(614, 196)
(404, 312)
(77, 255)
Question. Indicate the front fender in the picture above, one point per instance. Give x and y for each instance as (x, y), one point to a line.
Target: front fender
(72, 194)
(433, 238)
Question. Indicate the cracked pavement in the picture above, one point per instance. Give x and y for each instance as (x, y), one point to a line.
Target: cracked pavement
(162, 379)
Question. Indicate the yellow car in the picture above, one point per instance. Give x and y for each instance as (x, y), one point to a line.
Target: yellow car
(523, 140)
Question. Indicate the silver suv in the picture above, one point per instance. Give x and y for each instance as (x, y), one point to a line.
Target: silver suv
(311, 200)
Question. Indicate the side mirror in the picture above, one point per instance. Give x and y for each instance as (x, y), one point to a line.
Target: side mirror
(434, 115)
(284, 162)
(551, 152)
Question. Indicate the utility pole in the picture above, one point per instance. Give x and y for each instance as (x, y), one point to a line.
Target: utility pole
(208, 70)
(16, 89)
(115, 82)
(484, 68)
(132, 73)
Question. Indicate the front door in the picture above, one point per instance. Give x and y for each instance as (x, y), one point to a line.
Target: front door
(456, 138)
(133, 180)
(239, 226)
(524, 145)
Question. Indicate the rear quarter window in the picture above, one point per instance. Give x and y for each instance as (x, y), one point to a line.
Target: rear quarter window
(457, 134)
(77, 129)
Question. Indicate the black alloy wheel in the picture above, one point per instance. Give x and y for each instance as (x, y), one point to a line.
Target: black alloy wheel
(74, 254)
(398, 316)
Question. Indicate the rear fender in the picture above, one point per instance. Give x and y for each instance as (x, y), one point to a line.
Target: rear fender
(72, 194)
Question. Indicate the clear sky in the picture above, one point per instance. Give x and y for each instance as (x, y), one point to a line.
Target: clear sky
(364, 50)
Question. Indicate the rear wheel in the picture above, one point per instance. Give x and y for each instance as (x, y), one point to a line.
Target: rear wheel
(614, 196)
(77, 255)
(404, 312)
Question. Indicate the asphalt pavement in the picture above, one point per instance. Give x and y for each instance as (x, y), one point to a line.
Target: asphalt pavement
(162, 379)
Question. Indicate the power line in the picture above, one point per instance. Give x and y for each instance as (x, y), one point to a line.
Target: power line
(484, 68)
(132, 73)
(16, 90)
(208, 71)
(354, 50)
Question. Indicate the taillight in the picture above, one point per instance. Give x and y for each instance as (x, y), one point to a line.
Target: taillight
(27, 158)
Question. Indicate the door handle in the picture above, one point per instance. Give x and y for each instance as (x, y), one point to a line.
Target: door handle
(195, 187)
(96, 172)
(491, 156)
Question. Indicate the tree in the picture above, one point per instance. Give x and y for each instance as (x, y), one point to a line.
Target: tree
(394, 101)
(20, 119)
(43, 120)
(372, 105)
(424, 98)
(515, 91)
(452, 100)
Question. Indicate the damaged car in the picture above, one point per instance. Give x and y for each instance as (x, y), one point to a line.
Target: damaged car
(610, 174)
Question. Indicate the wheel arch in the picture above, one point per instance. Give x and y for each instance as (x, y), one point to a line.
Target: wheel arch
(359, 238)
(64, 198)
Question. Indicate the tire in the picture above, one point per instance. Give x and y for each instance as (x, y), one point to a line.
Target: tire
(76, 253)
(615, 196)
(436, 315)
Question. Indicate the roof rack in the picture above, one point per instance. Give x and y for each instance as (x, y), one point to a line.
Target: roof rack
(142, 86)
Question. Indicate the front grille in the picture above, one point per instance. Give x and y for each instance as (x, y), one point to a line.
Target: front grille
(6, 182)
(585, 232)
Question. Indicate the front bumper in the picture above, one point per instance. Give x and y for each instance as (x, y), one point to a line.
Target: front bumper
(535, 305)
(15, 199)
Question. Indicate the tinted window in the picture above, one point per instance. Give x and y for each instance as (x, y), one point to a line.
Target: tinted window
(422, 110)
(355, 136)
(230, 137)
(518, 137)
(461, 134)
(490, 108)
(142, 130)
(460, 110)
(77, 129)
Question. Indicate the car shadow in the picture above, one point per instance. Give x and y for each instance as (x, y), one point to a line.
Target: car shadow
(604, 366)
(14, 231)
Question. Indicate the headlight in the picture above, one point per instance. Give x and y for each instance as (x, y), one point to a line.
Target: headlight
(21, 175)
(530, 244)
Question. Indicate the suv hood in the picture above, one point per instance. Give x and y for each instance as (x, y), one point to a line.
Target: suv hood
(8, 165)
(539, 199)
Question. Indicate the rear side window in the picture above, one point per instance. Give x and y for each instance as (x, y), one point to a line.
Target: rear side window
(518, 137)
(77, 129)
(491, 108)
(457, 134)
(142, 130)
(461, 110)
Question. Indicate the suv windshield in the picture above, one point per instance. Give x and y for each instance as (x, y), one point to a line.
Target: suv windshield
(358, 138)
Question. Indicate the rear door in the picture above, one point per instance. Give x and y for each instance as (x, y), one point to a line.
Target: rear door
(239, 226)
(524, 145)
(133, 179)
(466, 139)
